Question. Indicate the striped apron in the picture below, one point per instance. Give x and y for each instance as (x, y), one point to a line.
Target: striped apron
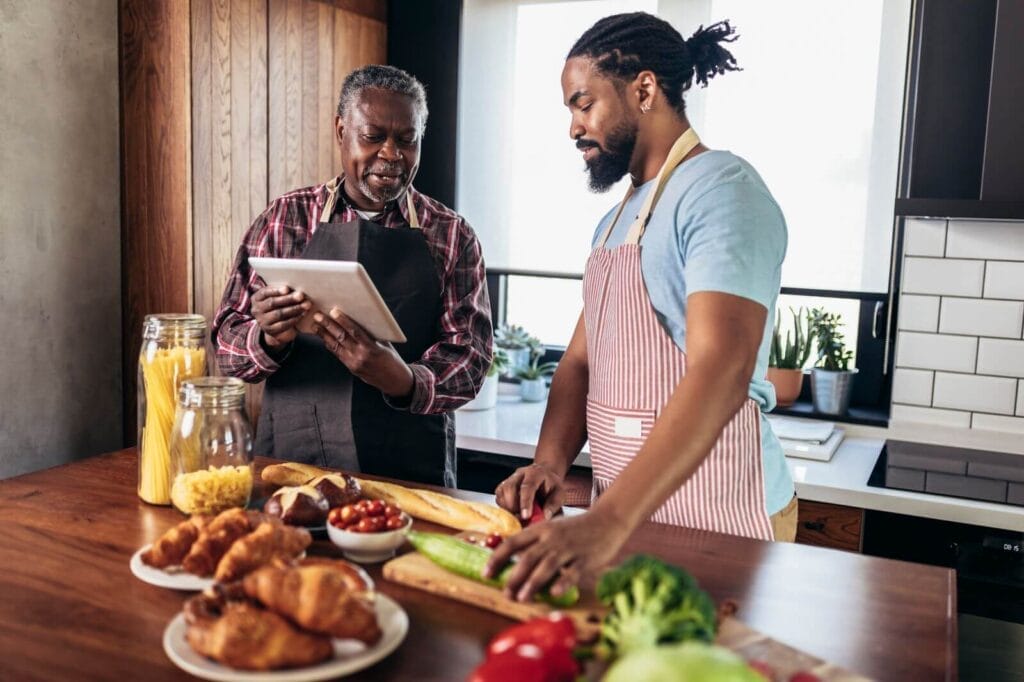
(634, 368)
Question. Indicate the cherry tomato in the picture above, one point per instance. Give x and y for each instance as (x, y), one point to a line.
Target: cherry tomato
(334, 517)
(493, 540)
(536, 514)
(365, 525)
(394, 522)
(350, 514)
(375, 508)
(392, 510)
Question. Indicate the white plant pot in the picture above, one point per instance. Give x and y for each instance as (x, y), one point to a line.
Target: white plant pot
(533, 390)
(487, 397)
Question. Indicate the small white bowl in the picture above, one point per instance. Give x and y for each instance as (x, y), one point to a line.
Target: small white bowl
(369, 548)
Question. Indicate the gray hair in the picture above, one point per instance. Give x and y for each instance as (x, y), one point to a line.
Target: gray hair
(385, 78)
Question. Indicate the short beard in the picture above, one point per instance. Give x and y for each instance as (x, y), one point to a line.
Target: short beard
(608, 167)
(382, 198)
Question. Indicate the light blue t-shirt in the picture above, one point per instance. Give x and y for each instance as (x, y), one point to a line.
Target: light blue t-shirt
(716, 227)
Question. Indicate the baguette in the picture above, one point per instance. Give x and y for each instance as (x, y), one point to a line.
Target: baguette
(293, 473)
(421, 504)
(442, 509)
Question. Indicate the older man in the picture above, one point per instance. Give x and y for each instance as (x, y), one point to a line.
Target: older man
(342, 398)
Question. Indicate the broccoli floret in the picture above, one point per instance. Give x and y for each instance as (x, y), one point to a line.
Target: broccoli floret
(652, 603)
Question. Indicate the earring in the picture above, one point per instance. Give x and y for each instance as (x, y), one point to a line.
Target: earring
(645, 108)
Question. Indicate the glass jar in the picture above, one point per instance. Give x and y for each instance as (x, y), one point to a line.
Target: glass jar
(173, 350)
(211, 447)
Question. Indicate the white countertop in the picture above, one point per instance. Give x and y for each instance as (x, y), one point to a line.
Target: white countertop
(513, 426)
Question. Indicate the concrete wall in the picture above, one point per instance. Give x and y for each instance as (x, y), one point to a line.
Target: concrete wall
(60, 261)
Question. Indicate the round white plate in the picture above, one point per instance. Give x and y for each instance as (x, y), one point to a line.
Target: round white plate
(175, 578)
(349, 655)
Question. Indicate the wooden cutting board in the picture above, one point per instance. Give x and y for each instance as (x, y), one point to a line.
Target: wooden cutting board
(418, 571)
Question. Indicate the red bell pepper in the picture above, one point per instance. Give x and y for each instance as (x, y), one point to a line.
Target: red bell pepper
(552, 632)
(540, 649)
(527, 663)
(536, 514)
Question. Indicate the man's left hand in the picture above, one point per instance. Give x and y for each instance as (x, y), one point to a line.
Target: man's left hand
(561, 552)
(373, 361)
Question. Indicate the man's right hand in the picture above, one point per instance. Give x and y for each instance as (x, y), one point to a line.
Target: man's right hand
(535, 482)
(277, 310)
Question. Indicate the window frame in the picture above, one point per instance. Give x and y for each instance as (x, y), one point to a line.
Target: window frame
(876, 325)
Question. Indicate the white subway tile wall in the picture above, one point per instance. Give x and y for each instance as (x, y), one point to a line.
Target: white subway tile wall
(912, 386)
(981, 317)
(919, 313)
(960, 345)
(1004, 279)
(943, 276)
(925, 238)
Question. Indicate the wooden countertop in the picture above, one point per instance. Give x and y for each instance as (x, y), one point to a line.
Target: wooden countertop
(71, 609)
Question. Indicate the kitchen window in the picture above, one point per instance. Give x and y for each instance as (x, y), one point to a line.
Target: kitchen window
(817, 110)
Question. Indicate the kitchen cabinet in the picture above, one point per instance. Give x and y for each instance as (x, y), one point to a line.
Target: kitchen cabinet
(829, 525)
(963, 153)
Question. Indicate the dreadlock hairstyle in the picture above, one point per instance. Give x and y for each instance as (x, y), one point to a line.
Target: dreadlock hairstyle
(623, 45)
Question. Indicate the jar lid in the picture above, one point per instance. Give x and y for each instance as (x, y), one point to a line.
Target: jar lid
(162, 325)
(211, 392)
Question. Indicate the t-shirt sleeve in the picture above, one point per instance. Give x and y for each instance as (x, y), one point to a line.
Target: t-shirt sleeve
(733, 240)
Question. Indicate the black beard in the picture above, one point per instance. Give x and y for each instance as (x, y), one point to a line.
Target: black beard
(607, 167)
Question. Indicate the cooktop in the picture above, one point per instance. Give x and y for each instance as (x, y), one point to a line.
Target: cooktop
(951, 471)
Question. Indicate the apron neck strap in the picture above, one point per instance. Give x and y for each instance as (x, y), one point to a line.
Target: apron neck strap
(414, 221)
(684, 144)
(332, 200)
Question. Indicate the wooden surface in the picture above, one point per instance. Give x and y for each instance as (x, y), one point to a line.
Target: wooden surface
(418, 571)
(829, 525)
(156, 181)
(70, 608)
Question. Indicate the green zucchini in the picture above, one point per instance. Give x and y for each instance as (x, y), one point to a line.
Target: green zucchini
(468, 560)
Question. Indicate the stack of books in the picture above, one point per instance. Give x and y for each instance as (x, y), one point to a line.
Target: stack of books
(807, 439)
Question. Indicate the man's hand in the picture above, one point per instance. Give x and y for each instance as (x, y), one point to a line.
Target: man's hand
(373, 361)
(518, 492)
(277, 310)
(563, 552)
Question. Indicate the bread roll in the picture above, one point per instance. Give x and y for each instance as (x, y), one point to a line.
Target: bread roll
(339, 489)
(442, 509)
(299, 505)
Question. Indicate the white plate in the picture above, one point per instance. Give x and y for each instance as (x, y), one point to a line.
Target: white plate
(349, 655)
(175, 578)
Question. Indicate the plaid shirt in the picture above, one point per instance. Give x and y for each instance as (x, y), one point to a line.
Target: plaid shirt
(448, 374)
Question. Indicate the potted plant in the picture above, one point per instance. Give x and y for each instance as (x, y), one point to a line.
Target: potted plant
(831, 378)
(532, 387)
(786, 361)
(518, 346)
(487, 397)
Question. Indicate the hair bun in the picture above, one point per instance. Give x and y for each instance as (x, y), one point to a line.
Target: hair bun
(709, 57)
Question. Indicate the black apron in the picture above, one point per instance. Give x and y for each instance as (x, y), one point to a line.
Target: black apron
(316, 412)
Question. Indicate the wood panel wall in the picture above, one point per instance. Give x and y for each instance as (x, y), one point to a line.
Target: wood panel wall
(156, 165)
(226, 104)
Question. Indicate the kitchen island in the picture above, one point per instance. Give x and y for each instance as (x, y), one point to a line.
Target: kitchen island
(71, 609)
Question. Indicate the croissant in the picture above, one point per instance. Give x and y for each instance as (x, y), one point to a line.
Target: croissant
(317, 598)
(173, 545)
(215, 540)
(259, 547)
(247, 637)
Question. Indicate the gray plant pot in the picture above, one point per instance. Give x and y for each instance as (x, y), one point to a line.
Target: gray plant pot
(533, 390)
(830, 390)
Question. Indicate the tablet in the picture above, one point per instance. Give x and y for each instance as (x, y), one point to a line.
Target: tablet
(333, 284)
